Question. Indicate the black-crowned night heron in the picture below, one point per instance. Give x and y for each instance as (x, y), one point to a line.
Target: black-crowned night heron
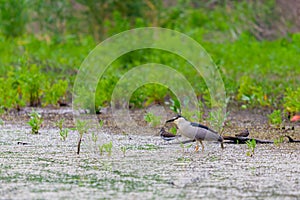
(244, 133)
(196, 131)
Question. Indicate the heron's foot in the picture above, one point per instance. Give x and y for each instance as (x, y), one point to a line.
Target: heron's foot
(202, 145)
(197, 148)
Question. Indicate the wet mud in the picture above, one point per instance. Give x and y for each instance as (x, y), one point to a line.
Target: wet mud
(141, 165)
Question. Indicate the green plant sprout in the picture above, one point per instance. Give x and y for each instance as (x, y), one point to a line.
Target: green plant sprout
(101, 123)
(62, 132)
(183, 159)
(82, 128)
(278, 141)
(147, 147)
(106, 147)
(153, 120)
(275, 118)
(173, 130)
(95, 139)
(123, 149)
(251, 146)
(35, 122)
(216, 120)
(175, 106)
(183, 147)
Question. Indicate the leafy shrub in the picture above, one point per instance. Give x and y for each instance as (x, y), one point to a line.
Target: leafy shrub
(29, 63)
(56, 93)
(148, 94)
(11, 93)
(291, 100)
(13, 17)
(32, 82)
(275, 117)
(251, 94)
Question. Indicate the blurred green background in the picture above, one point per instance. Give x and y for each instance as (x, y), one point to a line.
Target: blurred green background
(256, 45)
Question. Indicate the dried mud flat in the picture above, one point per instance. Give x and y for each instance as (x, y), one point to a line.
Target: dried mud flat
(44, 167)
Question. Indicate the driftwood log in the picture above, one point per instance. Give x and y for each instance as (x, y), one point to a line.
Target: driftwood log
(243, 140)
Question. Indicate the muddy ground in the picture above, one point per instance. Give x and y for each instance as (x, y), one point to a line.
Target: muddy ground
(143, 166)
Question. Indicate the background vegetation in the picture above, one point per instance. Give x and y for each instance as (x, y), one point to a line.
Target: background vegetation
(256, 45)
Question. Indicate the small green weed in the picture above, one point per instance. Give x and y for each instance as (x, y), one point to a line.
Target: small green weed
(94, 137)
(152, 119)
(251, 146)
(106, 147)
(142, 147)
(123, 149)
(183, 159)
(62, 132)
(183, 147)
(217, 120)
(101, 123)
(35, 122)
(279, 141)
(82, 128)
(275, 118)
(213, 158)
(173, 130)
(175, 106)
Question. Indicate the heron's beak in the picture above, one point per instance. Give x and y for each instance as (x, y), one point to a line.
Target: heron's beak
(173, 119)
(170, 120)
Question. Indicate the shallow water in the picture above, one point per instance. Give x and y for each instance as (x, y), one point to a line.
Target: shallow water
(149, 168)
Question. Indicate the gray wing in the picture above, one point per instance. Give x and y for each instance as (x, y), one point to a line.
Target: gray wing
(202, 132)
(199, 125)
(202, 126)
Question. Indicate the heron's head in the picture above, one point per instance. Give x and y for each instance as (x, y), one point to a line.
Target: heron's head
(176, 120)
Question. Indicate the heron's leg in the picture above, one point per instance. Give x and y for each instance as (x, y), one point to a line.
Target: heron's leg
(202, 145)
(222, 145)
(197, 146)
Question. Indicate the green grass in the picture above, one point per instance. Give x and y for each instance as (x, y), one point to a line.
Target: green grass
(40, 69)
(255, 73)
